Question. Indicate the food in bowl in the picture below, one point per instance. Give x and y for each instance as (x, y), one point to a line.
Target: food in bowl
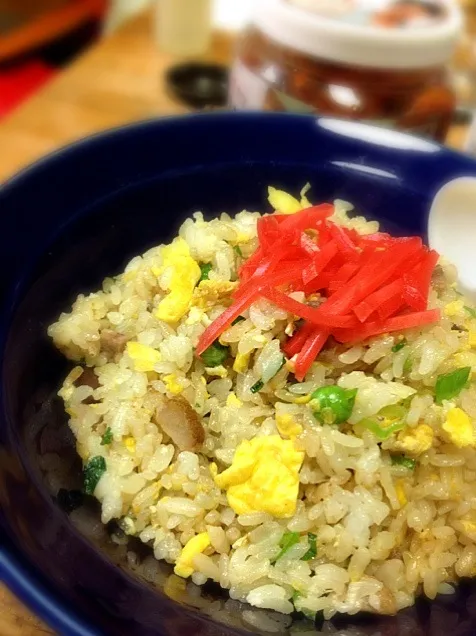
(282, 404)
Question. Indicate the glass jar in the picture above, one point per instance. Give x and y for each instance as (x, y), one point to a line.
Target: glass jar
(343, 60)
(183, 27)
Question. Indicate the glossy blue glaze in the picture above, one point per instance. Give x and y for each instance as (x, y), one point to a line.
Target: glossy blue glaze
(78, 216)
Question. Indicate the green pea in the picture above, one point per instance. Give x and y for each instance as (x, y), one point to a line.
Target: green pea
(205, 270)
(401, 460)
(215, 355)
(332, 405)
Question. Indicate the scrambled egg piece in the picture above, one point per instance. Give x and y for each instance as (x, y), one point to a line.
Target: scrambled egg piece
(240, 237)
(400, 490)
(264, 477)
(195, 315)
(415, 441)
(144, 357)
(232, 400)
(130, 444)
(454, 308)
(172, 385)
(459, 428)
(219, 372)
(185, 275)
(287, 425)
(465, 358)
(285, 203)
(472, 338)
(212, 292)
(196, 545)
(302, 399)
(241, 362)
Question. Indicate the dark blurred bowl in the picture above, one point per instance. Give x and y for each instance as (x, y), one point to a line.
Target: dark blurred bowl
(199, 85)
(78, 216)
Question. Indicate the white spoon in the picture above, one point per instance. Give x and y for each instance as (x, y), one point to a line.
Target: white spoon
(452, 229)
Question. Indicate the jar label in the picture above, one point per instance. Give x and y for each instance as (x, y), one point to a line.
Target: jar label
(248, 91)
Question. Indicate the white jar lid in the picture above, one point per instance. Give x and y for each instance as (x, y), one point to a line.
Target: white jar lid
(335, 30)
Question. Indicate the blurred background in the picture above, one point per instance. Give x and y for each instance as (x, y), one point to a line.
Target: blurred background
(39, 38)
(72, 67)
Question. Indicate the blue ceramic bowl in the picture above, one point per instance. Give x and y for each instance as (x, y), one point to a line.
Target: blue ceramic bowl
(78, 216)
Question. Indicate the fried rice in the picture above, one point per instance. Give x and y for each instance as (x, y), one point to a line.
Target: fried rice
(372, 523)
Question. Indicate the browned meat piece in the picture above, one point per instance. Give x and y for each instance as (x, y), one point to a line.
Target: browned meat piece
(88, 378)
(112, 342)
(181, 423)
(388, 604)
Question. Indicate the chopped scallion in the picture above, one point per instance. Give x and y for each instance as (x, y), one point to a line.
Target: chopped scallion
(257, 386)
(397, 347)
(471, 311)
(107, 438)
(205, 268)
(93, 471)
(401, 460)
(312, 552)
(408, 365)
(287, 541)
(450, 385)
(389, 420)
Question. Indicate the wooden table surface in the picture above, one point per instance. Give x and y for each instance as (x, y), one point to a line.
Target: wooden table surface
(118, 81)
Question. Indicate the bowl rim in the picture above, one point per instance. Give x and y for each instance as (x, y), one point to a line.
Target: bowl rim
(337, 126)
(39, 596)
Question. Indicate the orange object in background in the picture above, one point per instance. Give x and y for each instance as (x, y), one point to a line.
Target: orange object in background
(34, 24)
(28, 31)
